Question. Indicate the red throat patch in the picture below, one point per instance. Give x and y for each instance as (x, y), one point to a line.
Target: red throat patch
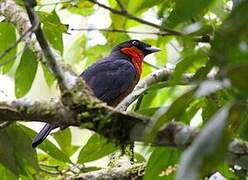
(137, 57)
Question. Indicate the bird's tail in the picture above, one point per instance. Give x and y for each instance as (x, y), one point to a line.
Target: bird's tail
(41, 136)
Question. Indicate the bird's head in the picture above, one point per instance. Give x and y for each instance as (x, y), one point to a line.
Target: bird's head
(136, 51)
(135, 46)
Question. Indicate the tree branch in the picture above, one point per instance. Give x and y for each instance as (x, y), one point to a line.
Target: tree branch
(120, 128)
(24, 110)
(121, 6)
(17, 42)
(76, 95)
(13, 57)
(52, 62)
(120, 31)
(122, 170)
(15, 14)
(130, 16)
(157, 76)
(5, 124)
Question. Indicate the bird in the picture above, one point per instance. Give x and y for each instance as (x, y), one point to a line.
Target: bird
(113, 77)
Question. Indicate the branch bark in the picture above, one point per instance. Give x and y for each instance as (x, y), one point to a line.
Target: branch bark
(160, 75)
(123, 169)
(118, 127)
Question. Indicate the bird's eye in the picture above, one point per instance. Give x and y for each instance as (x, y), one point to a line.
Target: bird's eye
(135, 43)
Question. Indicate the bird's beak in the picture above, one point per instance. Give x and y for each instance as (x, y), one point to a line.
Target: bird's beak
(150, 50)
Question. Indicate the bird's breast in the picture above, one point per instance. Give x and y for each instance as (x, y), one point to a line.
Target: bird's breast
(123, 95)
(136, 57)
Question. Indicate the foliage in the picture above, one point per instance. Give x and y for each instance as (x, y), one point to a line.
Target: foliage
(219, 106)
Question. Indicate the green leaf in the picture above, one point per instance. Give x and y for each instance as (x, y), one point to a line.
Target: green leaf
(147, 99)
(202, 72)
(7, 38)
(75, 52)
(192, 110)
(53, 29)
(53, 151)
(6, 174)
(151, 111)
(25, 73)
(81, 11)
(236, 3)
(161, 56)
(185, 10)
(165, 8)
(229, 47)
(243, 127)
(224, 169)
(95, 53)
(7, 153)
(207, 149)
(48, 75)
(218, 9)
(160, 160)
(238, 76)
(148, 4)
(139, 158)
(175, 110)
(84, 4)
(96, 148)
(48, 147)
(210, 86)
(26, 155)
(16, 151)
(185, 64)
(119, 22)
(63, 138)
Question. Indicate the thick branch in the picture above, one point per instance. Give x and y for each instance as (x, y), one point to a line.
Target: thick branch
(115, 126)
(104, 120)
(24, 110)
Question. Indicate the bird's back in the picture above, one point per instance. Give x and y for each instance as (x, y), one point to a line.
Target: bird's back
(111, 78)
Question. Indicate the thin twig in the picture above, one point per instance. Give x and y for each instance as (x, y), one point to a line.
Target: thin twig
(50, 172)
(51, 60)
(13, 57)
(121, 6)
(5, 124)
(203, 39)
(121, 31)
(56, 3)
(49, 166)
(6, 51)
(174, 47)
(157, 76)
(152, 65)
(130, 16)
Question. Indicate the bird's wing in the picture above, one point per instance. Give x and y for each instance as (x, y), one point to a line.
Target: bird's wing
(110, 78)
